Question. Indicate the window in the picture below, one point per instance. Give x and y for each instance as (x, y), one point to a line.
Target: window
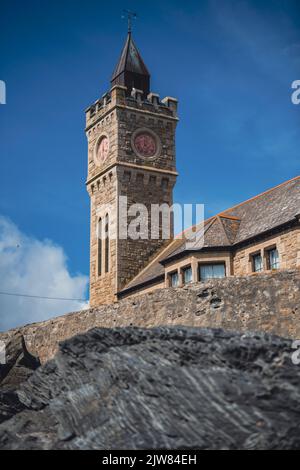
(174, 279)
(127, 176)
(165, 183)
(140, 178)
(273, 259)
(106, 259)
(257, 263)
(187, 276)
(99, 247)
(211, 271)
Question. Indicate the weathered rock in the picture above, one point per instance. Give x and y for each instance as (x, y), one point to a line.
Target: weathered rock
(19, 363)
(162, 388)
(9, 405)
(18, 367)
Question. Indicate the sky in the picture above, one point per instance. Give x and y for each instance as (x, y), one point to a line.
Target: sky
(230, 63)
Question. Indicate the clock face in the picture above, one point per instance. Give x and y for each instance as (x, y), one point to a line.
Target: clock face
(145, 144)
(102, 149)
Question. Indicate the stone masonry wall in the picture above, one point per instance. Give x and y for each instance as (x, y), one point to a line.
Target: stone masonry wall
(268, 302)
(147, 188)
(287, 244)
(125, 173)
(103, 288)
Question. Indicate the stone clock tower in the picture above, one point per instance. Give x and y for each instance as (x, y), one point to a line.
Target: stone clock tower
(131, 154)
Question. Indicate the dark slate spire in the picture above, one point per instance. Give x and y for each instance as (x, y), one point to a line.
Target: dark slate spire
(131, 70)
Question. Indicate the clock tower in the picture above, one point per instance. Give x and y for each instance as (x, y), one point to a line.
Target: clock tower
(131, 164)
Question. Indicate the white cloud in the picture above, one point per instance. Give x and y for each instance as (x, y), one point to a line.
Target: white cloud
(34, 267)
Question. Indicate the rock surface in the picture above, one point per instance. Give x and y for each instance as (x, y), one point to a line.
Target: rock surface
(19, 365)
(161, 388)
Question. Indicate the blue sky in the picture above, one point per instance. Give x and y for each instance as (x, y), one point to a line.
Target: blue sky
(230, 63)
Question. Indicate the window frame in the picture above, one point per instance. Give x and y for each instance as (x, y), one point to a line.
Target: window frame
(99, 247)
(253, 257)
(213, 263)
(170, 276)
(106, 245)
(268, 253)
(183, 271)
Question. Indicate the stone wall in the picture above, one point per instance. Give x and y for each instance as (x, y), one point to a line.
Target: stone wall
(287, 244)
(268, 302)
(103, 288)
(238, 262)
(146, 188)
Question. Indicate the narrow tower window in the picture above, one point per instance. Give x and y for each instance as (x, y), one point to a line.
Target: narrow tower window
(107, 243)
(99, 234)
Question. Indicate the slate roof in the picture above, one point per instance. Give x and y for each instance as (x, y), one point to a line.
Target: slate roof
(130, 60)
(242, 222)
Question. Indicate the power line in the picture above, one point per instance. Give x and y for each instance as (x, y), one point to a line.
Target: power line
(40, 297)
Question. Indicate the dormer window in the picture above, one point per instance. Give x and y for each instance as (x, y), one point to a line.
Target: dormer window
(187, 276)
(211, 271)
(174, 279)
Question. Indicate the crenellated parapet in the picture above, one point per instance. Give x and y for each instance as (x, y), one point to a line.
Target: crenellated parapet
(117, 97)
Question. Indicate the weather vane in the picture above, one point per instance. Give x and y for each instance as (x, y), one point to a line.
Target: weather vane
(130, 16)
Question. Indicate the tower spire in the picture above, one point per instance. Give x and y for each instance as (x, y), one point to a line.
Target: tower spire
(131, 70)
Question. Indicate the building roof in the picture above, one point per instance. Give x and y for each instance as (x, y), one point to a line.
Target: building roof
(256, 216)
(131, 70)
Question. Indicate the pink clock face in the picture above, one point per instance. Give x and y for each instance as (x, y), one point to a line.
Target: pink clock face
(145, 144)
(103, 148)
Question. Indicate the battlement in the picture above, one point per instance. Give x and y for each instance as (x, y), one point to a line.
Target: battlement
(117, 97)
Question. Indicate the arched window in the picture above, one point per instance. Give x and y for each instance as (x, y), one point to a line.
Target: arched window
(99, 235)
(106, 259)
